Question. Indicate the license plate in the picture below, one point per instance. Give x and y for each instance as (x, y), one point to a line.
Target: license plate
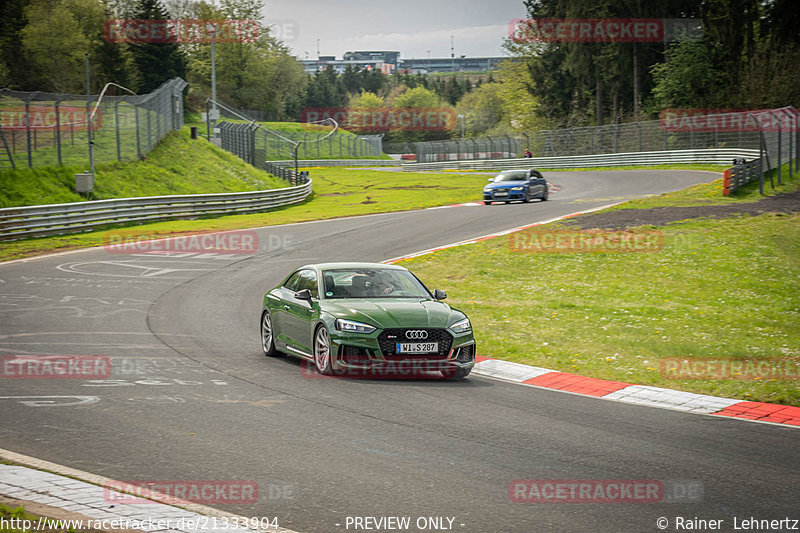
(501, 193)
(417, 347)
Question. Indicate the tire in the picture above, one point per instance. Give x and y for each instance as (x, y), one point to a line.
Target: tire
(267, 336)
(508, 202)
(459, 373)
(487, 203)
(322, 351)
(527, 198)
(546, 194)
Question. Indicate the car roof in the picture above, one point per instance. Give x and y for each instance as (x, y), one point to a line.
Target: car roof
(347, 265)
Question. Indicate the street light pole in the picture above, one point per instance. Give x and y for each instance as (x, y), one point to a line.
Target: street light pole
(462, 124)
(88, 115)
(214, 111)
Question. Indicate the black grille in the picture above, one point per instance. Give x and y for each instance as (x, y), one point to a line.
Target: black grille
(465, 354)
(390, 337)
(353, 355)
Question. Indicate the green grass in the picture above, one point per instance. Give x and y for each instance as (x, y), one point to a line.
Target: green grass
(338, 192)
(178, 165)
(711, 193)
(719, 289)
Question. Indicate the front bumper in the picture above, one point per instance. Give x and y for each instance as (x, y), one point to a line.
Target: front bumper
(353, 352)
(512, 195)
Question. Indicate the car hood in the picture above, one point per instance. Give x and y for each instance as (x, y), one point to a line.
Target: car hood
(506, 184)
(393, 312)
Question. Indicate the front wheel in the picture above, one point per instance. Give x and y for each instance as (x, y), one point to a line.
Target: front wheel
(322, 351)
(268, 336)
(526, 199)
(458, 373)
(487, 203)
(545, 195)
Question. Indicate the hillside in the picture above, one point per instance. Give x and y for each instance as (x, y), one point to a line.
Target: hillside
(179, 165)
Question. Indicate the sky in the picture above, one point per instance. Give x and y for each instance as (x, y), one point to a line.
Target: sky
(415, 28)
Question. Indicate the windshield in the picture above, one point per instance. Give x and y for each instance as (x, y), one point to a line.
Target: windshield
(516, 175)
(372, 283)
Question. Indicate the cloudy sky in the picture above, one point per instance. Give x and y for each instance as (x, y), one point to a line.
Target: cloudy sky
(412, 27)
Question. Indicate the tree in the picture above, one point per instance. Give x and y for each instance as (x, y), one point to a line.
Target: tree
(54, 44)
(155, 62)
(417, 97)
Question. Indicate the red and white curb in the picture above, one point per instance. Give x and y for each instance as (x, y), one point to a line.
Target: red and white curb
(638, 394)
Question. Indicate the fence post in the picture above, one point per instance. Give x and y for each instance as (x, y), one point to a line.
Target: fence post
(28, 131)
(58, 132)
(116, 122)
(780, 147)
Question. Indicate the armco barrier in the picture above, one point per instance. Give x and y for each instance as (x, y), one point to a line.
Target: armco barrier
(339, 162)
(58, 219)
(740, 175)
(712, 156)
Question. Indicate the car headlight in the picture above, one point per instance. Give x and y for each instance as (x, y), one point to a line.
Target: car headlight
(517, 188)
(350, 326)
(487, 189)
(462, 326)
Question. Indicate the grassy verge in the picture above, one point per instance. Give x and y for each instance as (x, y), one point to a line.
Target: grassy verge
(711, 193)
(338, 192)
(719, 289)
(178, 165)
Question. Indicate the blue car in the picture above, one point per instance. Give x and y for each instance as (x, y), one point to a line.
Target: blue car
(510, 185)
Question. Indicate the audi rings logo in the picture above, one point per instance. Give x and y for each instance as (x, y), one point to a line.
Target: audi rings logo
(416, 334)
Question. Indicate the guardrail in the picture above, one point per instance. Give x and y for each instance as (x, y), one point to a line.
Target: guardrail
(740, 175)
(339, 162)
(713, 156)
(58, 219)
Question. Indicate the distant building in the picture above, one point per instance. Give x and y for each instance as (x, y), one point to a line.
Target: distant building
(388, 61)
(450, 64)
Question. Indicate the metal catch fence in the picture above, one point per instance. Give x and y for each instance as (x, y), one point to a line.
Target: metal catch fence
(649, 136)
(270, 145)
(44, 129)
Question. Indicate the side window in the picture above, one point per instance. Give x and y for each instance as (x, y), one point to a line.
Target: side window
(536, 175)
(291, 283)
(308, 280)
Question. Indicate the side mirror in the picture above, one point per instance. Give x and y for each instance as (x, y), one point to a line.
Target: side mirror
(491, 180)
(439, 294)
(305, 294)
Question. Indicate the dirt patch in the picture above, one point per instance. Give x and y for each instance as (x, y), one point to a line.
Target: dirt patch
(337, 194)
(658, 216)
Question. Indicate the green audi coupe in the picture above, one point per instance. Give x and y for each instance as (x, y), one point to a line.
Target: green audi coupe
(356, 317)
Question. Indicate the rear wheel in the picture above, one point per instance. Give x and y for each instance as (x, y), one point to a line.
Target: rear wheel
(322, 351)
(267, 336)
(458, 373)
